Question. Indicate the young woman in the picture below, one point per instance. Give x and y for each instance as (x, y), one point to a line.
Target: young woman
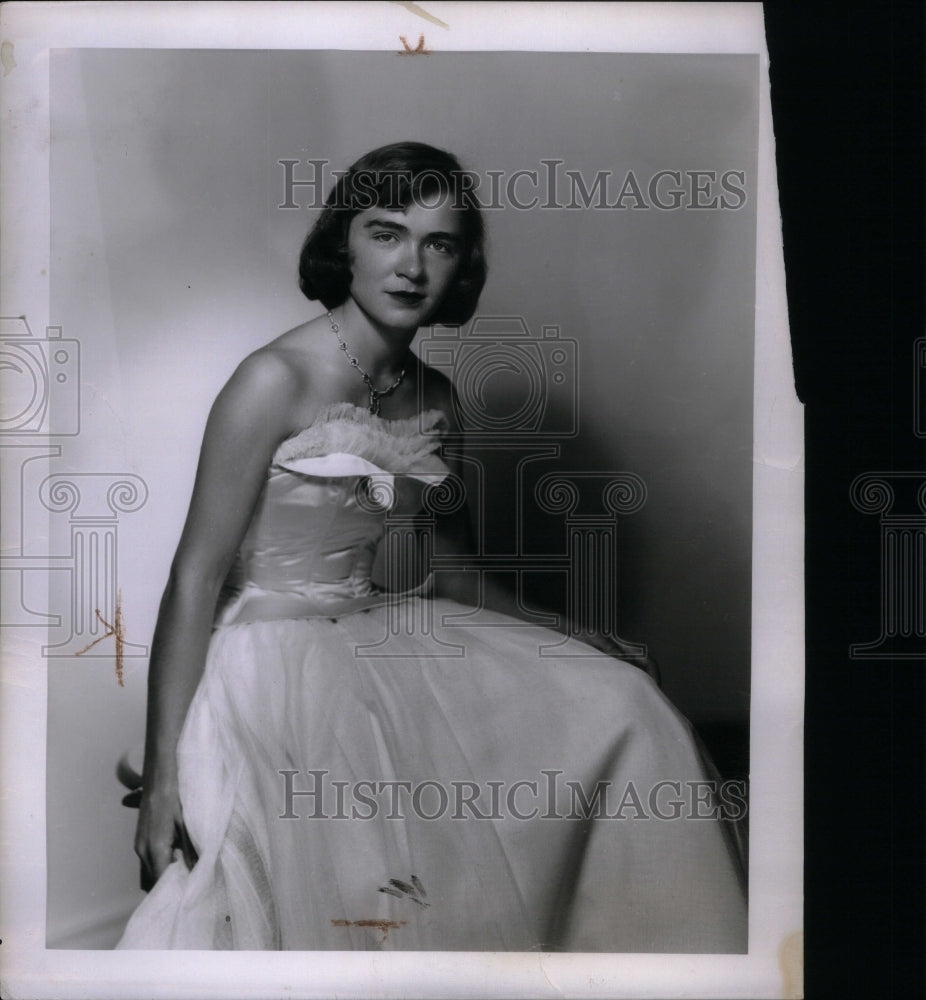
(307, 786)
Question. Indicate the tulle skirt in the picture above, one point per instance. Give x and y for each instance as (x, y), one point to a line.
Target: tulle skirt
(373, 782)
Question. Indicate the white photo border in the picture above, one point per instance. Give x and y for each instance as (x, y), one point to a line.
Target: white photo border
(776, 854)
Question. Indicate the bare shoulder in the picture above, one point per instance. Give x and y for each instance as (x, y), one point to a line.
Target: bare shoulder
(268, 368)
(264, 384)
(275, 382)
(438, 393)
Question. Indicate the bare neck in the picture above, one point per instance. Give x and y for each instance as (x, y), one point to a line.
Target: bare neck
(381, 351)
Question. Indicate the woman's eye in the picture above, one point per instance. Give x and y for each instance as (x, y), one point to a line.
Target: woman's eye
(384, 237)
(441, 247)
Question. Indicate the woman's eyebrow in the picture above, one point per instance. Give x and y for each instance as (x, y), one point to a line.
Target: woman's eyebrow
(379, 223)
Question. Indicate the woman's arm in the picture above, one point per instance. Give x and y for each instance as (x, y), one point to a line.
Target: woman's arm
(455, 537)
(249, 418)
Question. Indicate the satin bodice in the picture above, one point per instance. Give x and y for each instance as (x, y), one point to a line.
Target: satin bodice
(311, 543)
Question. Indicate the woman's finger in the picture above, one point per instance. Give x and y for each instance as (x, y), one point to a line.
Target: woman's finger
(190, 856)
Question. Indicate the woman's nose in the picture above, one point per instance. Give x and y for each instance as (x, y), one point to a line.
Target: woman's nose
(411, 265)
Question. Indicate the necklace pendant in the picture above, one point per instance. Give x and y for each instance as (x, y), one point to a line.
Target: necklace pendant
(374, 402)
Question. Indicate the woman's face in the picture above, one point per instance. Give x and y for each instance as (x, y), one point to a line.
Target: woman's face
(404, 262)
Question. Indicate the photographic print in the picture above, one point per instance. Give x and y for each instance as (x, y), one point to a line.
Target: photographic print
(400, 521)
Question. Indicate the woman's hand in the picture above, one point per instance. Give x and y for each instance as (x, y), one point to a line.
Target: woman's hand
(161, 829)
(628, 652)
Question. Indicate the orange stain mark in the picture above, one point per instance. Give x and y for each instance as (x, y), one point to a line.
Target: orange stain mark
(383, 926)
(117, 630)
(418, 50)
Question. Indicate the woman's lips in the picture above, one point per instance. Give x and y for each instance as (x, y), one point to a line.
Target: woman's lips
(407, 298)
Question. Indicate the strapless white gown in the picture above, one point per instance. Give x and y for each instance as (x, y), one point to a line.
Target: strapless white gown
(346, 788)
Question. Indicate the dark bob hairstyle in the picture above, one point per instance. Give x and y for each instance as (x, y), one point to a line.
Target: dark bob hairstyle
(392, 177)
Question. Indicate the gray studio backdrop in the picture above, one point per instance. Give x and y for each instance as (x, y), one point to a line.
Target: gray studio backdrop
(171, 260)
